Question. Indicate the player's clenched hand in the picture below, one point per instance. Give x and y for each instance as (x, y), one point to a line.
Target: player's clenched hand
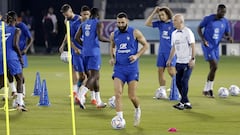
(191, 63)
(133, 58)
(112, 61)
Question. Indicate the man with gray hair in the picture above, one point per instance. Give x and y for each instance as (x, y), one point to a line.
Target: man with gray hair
(183, 45)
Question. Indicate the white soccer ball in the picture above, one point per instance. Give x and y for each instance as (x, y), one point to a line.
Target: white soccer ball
(111, 102)
(118, 122)
(234, 90)
(161, 94)
(64, 56)
(223, 92)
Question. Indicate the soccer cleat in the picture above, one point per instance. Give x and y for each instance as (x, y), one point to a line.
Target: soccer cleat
(137, 117)
(211, 94)
(101, 105)
(76, 99)
(22, 108)
(94, 101)
(187, 106)
(82, 103)
(179, 106)
(205, 93)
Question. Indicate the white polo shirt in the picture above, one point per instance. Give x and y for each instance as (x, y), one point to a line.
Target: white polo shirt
(181, 40)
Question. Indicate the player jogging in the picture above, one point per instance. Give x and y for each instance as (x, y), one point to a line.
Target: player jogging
(124, 56)
(77, 57)
(91, 31)
(215, 26)
(165, 27)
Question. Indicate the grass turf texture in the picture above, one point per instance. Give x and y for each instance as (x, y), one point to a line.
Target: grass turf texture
(208, 116)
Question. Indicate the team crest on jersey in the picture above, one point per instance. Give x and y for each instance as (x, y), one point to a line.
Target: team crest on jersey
(128, 38)
(123, 46)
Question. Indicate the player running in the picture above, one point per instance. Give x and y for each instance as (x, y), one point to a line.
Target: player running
(14, 56)
(165, 27)
(77, 57)
(124, 56)
(91, 33)
(215, 26)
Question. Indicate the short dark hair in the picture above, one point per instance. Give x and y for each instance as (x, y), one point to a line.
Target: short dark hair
(221, 6)
(167, 11)
(94, 12)
(85, 8)
(11, 16)
(65, 8)
(122, 15)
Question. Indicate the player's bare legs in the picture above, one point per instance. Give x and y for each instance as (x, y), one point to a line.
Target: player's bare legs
(132, 87)
(118, 90)
(208, 90)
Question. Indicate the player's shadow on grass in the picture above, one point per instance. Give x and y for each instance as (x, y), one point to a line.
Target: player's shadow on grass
(198, 115)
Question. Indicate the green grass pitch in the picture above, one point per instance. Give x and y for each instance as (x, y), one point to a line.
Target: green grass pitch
(208, 116)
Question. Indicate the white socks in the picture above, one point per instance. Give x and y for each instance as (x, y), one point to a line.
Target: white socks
(208, 86)
(120, 114)
(12, 86)
(83, 91)
(98, 98)
(24, 89)
(93, 96)
(75, 88)
(20, 99)
(163, 87)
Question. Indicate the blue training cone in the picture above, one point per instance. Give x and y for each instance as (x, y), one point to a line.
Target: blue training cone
(174, 90)
(44, 101)
(37, 85)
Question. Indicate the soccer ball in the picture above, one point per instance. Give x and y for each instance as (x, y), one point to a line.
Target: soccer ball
(161, 94)
(234, 90)
(64, 56)
(111, 102)
(223, 92)
(118, 122)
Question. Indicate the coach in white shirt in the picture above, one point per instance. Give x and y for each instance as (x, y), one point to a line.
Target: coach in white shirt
(183, 45)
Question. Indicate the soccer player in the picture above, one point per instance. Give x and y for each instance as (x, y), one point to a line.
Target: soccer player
(183, 45)
(14, 56)
(215, 26)
(25, 43)
(165, 27)
(91, 33)
(124, 56)
(77, 57)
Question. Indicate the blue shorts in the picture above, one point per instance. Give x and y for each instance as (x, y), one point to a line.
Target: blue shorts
(92, 62)
(25, 61)
(14, 67)
(162, 60)
(126, 75)
(210, 54)
(77, 62)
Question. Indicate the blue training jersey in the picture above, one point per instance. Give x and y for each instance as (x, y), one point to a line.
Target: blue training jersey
(10, 51)
(75, 23)
(214, 29)
(165, 31)
(126, 45)
(90, 38)
(25, 33)
(1, 54)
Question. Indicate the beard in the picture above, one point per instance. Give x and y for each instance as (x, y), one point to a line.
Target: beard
(122, 29)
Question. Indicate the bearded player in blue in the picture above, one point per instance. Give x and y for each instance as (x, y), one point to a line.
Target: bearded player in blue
(125, 58)
(25, 43)
(165, 27)
(91, 33)
(216, 27)
(14, 56)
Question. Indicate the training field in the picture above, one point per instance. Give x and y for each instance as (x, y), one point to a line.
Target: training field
(208, 116)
